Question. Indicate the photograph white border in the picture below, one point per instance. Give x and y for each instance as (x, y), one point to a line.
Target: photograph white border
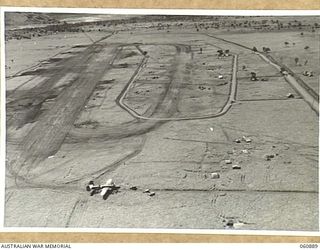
(123, 11)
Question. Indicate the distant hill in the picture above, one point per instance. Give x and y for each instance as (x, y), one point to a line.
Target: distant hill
(16, 19)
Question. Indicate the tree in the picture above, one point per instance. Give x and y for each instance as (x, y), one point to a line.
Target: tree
(286, 43)
(307, 47)
(220, 52)
(266, 49)
(253, 76)
(254, 49)
(296, 59)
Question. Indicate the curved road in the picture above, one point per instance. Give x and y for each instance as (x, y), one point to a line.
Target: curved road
(225, 108)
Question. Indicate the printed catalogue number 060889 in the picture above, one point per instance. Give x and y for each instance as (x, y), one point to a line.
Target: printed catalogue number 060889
(308, 245)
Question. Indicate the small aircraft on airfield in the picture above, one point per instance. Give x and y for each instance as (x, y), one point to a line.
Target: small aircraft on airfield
(104, 190)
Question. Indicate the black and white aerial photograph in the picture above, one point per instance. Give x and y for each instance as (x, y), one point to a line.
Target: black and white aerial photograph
(144, 121)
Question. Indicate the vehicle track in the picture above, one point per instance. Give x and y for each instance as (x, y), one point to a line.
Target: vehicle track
(47, 135)
(301, 87)
(225, 108)
(308, 94)
(38, 94)
(144, 124)
(137, 126)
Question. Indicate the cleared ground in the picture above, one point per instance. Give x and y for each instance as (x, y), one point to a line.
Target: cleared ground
(159, 111)
(285, 47)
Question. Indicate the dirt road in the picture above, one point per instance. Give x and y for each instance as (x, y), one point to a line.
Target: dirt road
(225, 108)
(306, 92)
(150, 112)
(309, 95)
(52, 127)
